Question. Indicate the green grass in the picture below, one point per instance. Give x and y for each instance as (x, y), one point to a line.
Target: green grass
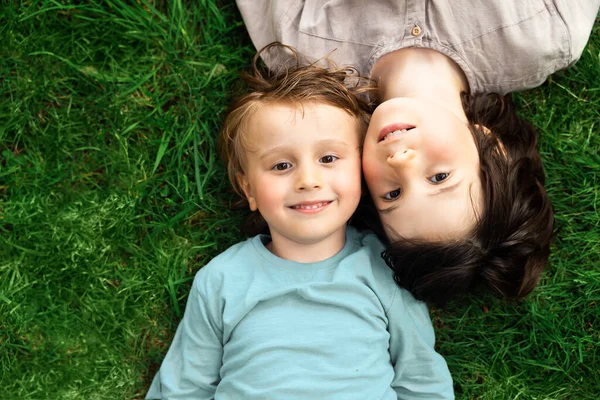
(112, 197)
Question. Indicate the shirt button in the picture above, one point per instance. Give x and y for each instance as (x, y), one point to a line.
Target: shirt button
(416, 31)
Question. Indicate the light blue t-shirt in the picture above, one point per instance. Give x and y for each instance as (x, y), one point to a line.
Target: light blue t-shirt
(260, 327)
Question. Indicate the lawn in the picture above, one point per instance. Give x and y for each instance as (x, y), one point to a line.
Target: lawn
(112, 197)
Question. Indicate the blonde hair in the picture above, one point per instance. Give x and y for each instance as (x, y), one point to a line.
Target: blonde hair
(294, 83)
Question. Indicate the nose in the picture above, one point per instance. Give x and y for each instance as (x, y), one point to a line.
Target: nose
(401, 158)
(308, 178)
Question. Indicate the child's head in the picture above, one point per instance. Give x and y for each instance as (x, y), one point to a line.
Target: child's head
(292, 146)
(483, 218)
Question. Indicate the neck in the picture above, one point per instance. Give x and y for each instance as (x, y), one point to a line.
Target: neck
(423, 74)
(320, 250)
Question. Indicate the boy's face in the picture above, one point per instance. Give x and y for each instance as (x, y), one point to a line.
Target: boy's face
(303, 170)
(422, 168)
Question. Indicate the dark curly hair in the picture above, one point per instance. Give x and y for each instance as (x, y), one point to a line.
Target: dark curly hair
(509, 246)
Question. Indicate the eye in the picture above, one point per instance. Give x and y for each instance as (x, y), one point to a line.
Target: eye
(393, 195)
(282, 166)
(437, 178)
(328, 159)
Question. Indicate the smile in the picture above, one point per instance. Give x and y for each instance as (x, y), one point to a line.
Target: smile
(394, 130)
(311, 207)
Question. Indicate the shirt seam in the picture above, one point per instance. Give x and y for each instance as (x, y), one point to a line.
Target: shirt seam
(328, 264)
(503, 26)
(335, 39)
(285, 16)
(565, 25)
(394, 296)
(544, 72)
(202, 297)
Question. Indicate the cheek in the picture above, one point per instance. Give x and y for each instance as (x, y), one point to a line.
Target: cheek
(268, 194)
(441, 147)
(346, 180)
(442, 153)
(457, 145)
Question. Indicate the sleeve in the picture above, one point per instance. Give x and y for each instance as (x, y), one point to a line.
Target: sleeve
(191, 367)
(260, 18)
(419, 371)
(579, 17)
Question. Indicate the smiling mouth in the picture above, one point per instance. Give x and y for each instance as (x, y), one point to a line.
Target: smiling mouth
(311, 207)
(394, 130)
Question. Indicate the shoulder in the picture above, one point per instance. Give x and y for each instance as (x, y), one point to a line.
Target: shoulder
(364, 239)
(371, 247)
(366, 247)
(411, 314)
(233, 262)
(398, 298)
(366, 260)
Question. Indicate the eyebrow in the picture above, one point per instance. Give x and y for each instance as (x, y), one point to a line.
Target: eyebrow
(440, 191)
(447, 189)
(269, 152)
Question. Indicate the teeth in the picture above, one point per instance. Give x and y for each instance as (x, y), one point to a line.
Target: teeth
(395, 133)
(309, 206)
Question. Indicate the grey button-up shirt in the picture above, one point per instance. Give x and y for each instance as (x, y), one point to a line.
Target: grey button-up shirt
(501, 46)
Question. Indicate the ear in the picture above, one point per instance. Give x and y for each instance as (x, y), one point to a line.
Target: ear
(245, 185)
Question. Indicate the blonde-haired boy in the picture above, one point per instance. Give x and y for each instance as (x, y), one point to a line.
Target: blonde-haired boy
(309, 311)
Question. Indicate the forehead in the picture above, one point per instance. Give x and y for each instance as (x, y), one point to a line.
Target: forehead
(298, 122)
